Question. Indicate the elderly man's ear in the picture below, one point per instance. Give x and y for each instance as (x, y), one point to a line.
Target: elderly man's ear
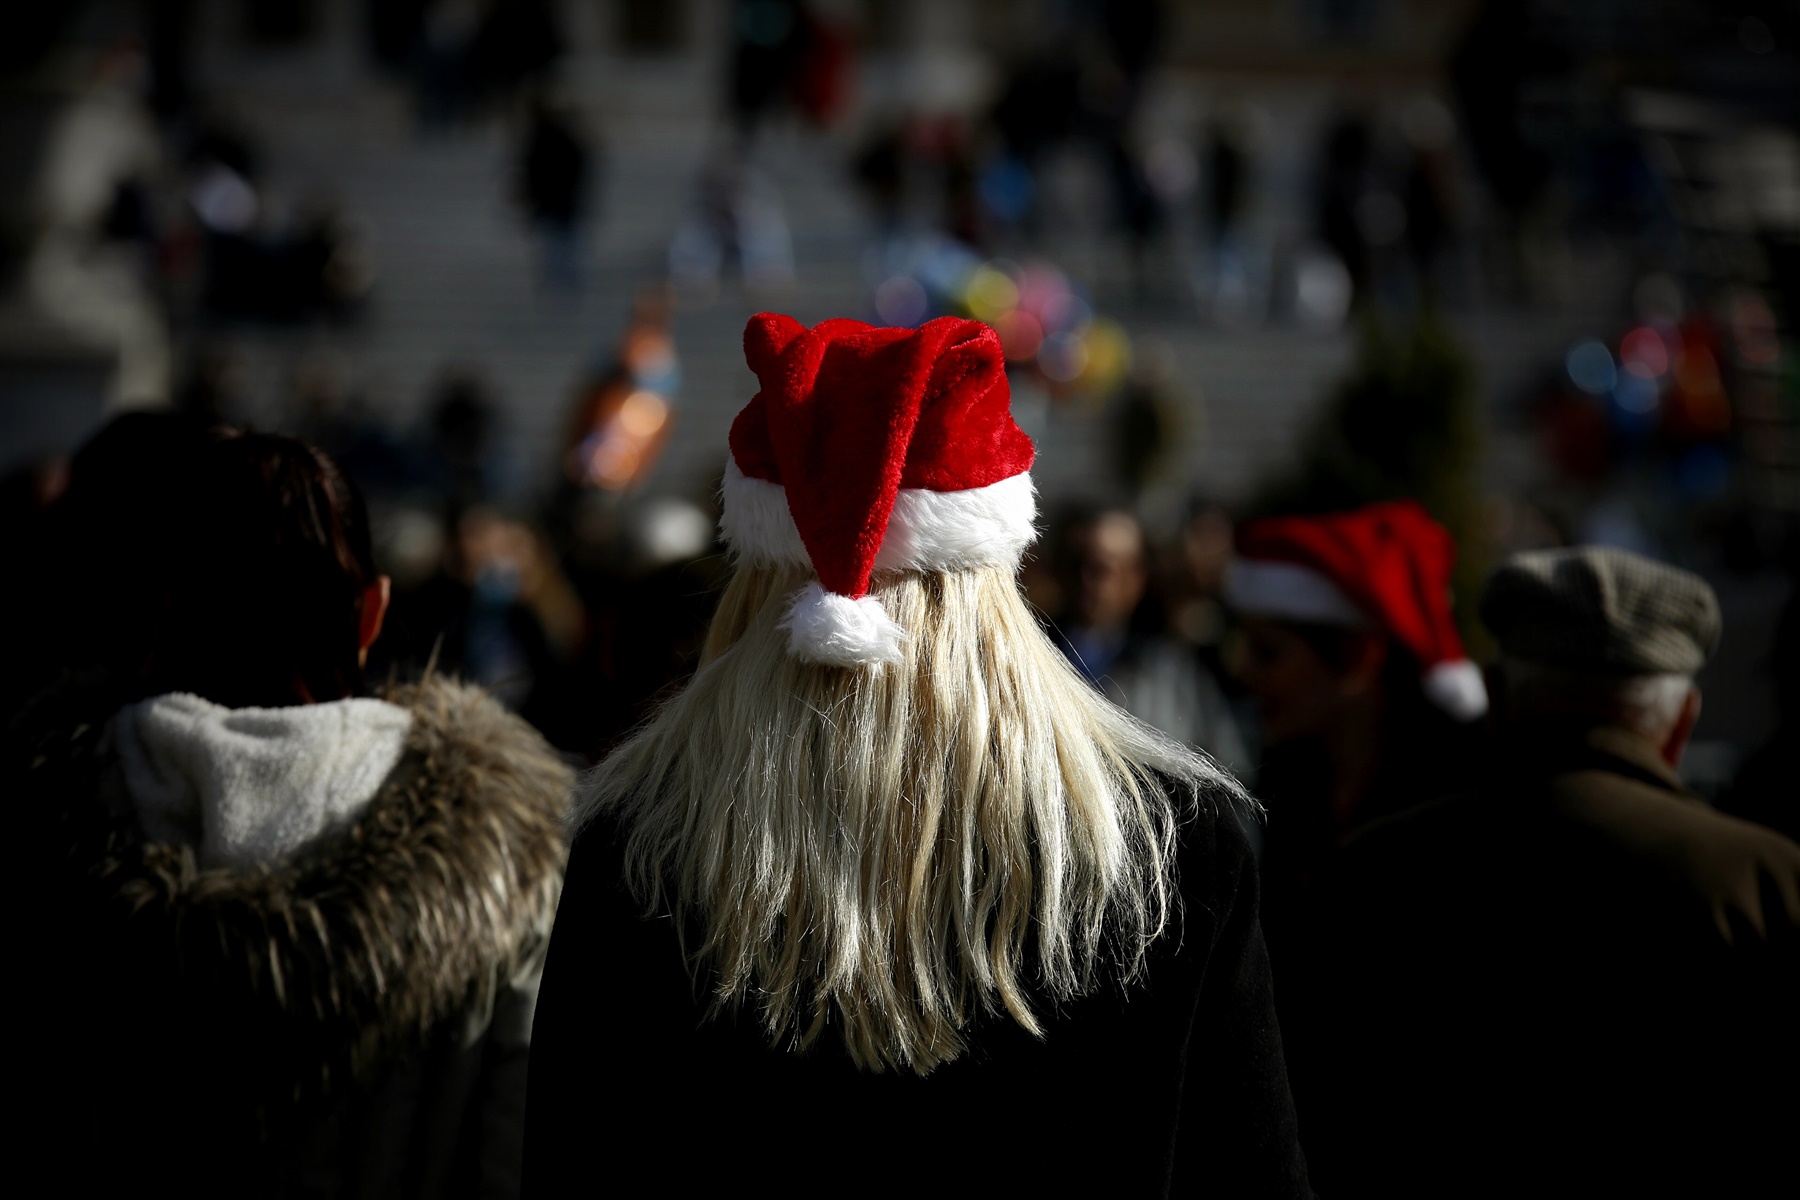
(1676, 742)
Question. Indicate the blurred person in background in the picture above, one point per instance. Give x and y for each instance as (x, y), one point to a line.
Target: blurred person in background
(344, 421)
(304, 920)
(1344, 187)
(768, 44)
(1767, 787)
(920, 157)
(460, 451)
(737, 222)
(624, 408)
(783, 57)
(89, 230)
(1132, 33)
(467, 56)
(499, 611)
(650, 607)
(1037, 110)
(1195, 578)
(261, 260)
(1109, 637)
(1574, 978)
(888, 869)
(1367, 703)
(102, 534)
(1233, 277)
(555, 180)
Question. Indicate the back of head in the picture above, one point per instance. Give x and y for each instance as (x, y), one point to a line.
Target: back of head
(1596, 636)
(264, 579)
(886, 802)
(895, 850)
(1340, 579)
(129, 486)
(1593, 637)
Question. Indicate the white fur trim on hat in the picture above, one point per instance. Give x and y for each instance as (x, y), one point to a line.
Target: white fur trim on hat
(1290, 592)
(927, 531)
(1457, 688)
(824, 627)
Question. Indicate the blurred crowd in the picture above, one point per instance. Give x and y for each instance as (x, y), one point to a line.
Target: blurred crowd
(1321, 635)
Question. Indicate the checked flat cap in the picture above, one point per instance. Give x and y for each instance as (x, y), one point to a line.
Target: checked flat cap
(1594, 609)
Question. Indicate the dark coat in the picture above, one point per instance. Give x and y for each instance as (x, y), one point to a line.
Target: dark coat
(1176, 1087)
(1524, 991)
(1425, 756)
(353, 1020)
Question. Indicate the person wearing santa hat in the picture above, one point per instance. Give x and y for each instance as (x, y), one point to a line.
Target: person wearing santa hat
(889, 900)
(1573, 978)
(1367, 702)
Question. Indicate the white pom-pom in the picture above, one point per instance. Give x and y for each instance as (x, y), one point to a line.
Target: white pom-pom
(1457, 688)
(824, 627)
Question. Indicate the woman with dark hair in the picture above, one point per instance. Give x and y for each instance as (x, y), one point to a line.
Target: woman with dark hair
(94, 543)
(297, 926)
(270, 597)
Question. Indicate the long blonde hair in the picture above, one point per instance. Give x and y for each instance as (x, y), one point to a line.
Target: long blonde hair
(900, 849)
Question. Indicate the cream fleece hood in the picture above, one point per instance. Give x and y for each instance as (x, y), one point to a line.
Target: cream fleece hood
(249, 786)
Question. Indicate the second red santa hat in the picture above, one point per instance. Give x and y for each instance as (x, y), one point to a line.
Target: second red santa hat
(1386, 566)
(872, 449)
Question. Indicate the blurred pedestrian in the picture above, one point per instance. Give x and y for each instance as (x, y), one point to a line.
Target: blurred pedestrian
(460, 451)
(305, 920)
(768, 44)
(1234, 274)
(1347, 197)
(1227, 180)
(625, 406)
(1154, 678)
(889, 870)
(1574, 979)
(737, 221)
(1367, 703)
(555, 182)
(100, 151)
(499, 612)
(1767, 787)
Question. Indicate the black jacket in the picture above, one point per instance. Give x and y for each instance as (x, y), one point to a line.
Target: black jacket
(1177, 1087)
(1425, 756)
(1526, 991)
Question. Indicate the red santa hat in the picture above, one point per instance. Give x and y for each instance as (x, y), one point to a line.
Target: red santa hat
(1385, 567)
(867, 450)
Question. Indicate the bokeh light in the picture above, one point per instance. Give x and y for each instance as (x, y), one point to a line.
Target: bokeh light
(1644, 353)
(1636, 394)
(992, 292)
(901, 301)
(1020, 333)
(643, 414)
(1591, 368)
(1063, 358)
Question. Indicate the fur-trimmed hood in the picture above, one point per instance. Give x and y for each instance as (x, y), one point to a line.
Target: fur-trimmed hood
(246, 786)
(358, 946)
